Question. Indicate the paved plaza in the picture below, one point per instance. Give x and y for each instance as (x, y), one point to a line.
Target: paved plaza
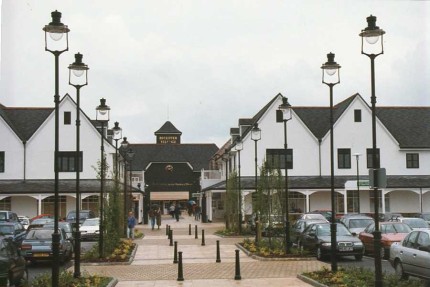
(153, 262)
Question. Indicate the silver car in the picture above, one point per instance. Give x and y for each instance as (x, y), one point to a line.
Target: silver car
(411, 256)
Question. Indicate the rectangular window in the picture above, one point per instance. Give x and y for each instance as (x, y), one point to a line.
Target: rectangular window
(67, 161)
(5, 204)
(1, 161)
(275, 158)
(67, 118)
(369, 152)
(352, 201)
(344, 158)
(412, 160)
(357, 116)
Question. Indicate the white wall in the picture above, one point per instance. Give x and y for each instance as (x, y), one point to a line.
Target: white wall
(13, 152)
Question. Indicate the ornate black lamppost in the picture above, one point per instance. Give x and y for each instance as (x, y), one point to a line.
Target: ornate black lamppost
(124, 146)
(130, 156)
(255, 136)
(239, 147)
(285, 108)
(357, 156)
(372, 45)
(78, 78)
(225, 158)
(102, 116)
(56, 43)
(331, 77)
(117, 135)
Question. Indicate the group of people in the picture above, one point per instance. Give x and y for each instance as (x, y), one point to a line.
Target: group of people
(175, 210)
(155, 216)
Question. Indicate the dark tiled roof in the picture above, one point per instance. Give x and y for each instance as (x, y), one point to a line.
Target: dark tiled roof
(324, 182)
(234, 131)
(198, 155)
(25, 121)
(317, 119)
(168, 128)
(409, 125)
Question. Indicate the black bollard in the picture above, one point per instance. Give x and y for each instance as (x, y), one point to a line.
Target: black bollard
(237, 275)
(203, 237)
(171, 237)
(175, 255)
(180, 270)
(218, 257)
(167, 230)
(196, 234)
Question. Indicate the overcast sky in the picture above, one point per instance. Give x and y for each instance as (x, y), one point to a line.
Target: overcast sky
(205, 64)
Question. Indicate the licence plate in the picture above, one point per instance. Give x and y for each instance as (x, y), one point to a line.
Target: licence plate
(41, 254)
(345, 249)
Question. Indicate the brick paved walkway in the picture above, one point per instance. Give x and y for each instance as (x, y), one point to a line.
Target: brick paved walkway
(153, 262)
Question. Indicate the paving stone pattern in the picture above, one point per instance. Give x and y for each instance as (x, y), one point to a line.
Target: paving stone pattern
(153, 261)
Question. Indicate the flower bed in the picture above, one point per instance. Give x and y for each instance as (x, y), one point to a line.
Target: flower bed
(355, 277)
(122, 253)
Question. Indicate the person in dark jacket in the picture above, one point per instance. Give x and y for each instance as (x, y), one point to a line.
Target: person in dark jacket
(177, 211)
(131, 223)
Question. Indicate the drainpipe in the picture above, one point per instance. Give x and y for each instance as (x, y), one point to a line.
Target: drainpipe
(25, 160)
(319, 154)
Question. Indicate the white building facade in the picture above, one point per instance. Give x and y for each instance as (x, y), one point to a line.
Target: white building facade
(27, 159)
(403, 141)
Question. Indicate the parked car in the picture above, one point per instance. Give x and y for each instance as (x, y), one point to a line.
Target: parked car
(6, 215)
(312, 216)
(325, 212)
(300, 225)
(38, 223)
(390, 232)
(425, 216)
(67, 227)
(412, 255)
(14, 230)
(90, 229)
(24, 220)
(316, 238)
(414, 223)
(45, 215)
(356, 223)
(37, 245)
(13, 269)
(83, 214)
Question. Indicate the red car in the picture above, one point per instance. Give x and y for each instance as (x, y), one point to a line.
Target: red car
(45, 215)
(390, 232)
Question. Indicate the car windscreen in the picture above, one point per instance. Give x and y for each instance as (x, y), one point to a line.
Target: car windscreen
(416, 222)
(6, 229)
(39, 234)
(91, 223)
(359, 223)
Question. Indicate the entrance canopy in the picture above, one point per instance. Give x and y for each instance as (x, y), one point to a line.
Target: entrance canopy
(170, 195)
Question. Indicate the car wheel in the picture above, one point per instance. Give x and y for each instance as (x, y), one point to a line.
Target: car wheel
(400, 273)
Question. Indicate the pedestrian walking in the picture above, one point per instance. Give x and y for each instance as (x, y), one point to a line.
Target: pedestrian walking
(131, 223)
(172, 210)
(158, 217)
(151, 214)
(177, 211)
(197, 212)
